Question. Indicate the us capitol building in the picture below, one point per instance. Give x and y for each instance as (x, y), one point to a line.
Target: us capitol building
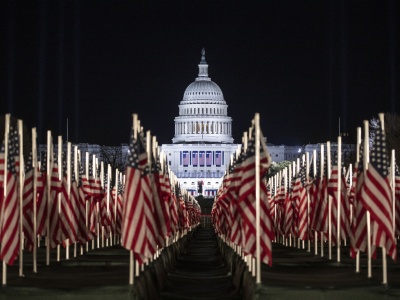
(202, 146)
(203, 143)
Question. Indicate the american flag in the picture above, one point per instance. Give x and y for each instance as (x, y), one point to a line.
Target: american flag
(55, 187)
(149, 209)
(300, 196)
(84, 234)
(42, 198)
(28, 198)
(232, 192)
(397, 200)
(319, 202)
(359, 223)
(209, 158)
(105, 217)
(247, 199)
(10, 238)
(218, 158)
(138, 229)
(332, 188)
(279, 201)
(2, 164)
(377, 196)
(69, 207)
(195, 158)
(201, 158)
(185, 158)
(160, 204)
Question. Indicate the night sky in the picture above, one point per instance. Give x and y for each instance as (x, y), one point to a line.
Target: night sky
(303, 65)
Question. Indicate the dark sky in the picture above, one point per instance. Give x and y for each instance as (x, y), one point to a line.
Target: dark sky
(301, 64)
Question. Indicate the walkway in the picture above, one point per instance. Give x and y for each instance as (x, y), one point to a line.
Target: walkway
(200, 272)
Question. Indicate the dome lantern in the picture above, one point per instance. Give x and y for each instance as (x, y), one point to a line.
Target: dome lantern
(203, 67)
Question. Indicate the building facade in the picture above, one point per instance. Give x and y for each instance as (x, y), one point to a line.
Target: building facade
(202, 145)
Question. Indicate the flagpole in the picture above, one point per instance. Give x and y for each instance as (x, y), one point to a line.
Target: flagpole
(60, 171)
(322, 163)
(6, 131)
(131, 254)
(257, 170)
(308, 203)
(297, 174)
(21, 185)
(289, 179)
(102, 183)
(314, 157)
(87, 202)
(67, 242)
(115, 206)
(48, 194)
(328, 176)
(384, 261)
(358, 162)
(339, 195)
(392, 183)
(365, 162)
(35, 171)
(77, 180)
(97, 204)
(109, 241)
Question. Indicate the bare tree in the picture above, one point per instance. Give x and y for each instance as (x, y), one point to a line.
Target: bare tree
(114, 156)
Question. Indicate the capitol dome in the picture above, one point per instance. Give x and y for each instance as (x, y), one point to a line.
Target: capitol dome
(203, 113)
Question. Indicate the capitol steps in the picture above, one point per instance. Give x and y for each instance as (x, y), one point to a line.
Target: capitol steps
(200, 271)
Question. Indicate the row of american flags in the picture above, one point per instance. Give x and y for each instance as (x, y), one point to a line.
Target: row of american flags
(318, 200)
(201, 158)
(69, 199)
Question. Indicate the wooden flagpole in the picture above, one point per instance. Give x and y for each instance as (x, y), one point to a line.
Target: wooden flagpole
(322, 163)
(87, 203)
(49, 159)
(131, 255)
(35, 174)
(339, 195)
(76, 172)
(109, 241)
(67, 242)
(328, 176)
(365, 162)
(257, 170)
(6, 131)
(384, 261)
(358, 162)
(308, 203)
(95, 171)
(102, 184)
(314, 157)
(20, 196)
(115, 206)
(392, 184)
(285, 184)
(60, 170)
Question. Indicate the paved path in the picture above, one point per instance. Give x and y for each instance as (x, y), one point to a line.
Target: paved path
(200, 272)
